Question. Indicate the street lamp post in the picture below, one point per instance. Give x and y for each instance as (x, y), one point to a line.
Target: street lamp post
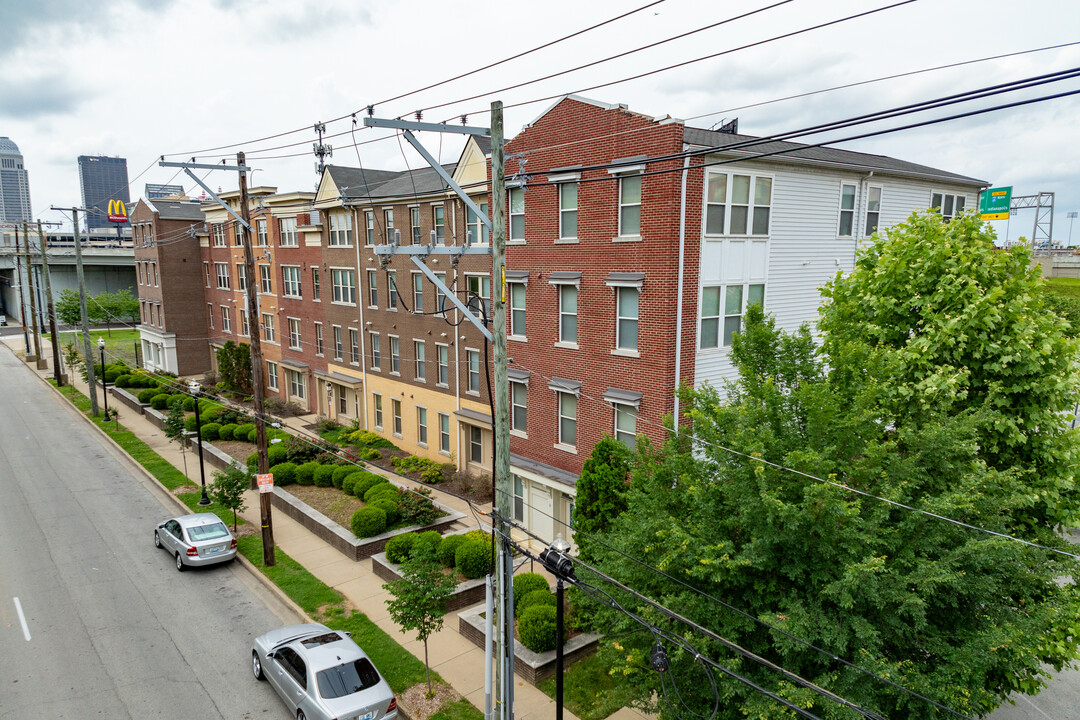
(104, 386)
(193, 388)
(559, 564)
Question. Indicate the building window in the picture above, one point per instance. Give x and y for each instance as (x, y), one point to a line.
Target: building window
(354, 346)
(517, 309)
(626, 330)
(378, 410)
(948, 205)
(438, 221)
(338, 349)
(388, 222)
(733, 309)
(218, 231)
(568, 313)
(414, 222)
(290, 282)
(376, 355)
(391, 290)
(287, 228)
(318, 339)
(421, 426)
(316, 288)
(369, 227)
(568, 207)
(210, 314)
(344, 282)
(395, 407)
(296, 383)
(222, 275)
(473, 363)
(478, 232)
(238, 234)
(479, 287)
(417, 293)
(517, 213)
(260, 232)
(268, 327)
(206, 271)
(241, 277)
(343, 400)
(373, 288)
(873, 209)
(519, 499)
(245, 322)
(340, 229)
(729, 201)
(630, 206)
(226, 321)
(440, 297)
(444, 433)
(567, 418)
(847, 210)
(265, 284)
(420, 351)
(271, 375)
(476, 444)
(518, 393)
(294, 334)
(395, 355)
(443, 355)
(626, 424)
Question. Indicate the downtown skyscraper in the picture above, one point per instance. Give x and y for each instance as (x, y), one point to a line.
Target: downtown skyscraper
(102, 179)
(14, 184)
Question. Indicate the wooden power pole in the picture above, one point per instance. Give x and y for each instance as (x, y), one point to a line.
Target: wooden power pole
(41, 362)
(57, 375)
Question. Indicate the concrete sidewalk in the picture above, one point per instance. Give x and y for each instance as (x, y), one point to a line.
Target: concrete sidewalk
(458, 661)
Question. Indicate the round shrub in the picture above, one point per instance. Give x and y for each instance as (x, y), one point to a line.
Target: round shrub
(429, 539)
(210, 431)
(226, 431)
(284, 473)
(526, 583)
(159, 401)
(392, 509)
(348, 483)
(431, 476)
(368, 521)
(399, 547)
(370, 454)
(305, 473)
(122, 381)
(323, 475)
(252, 436)
(536, 626)
(276, 454)
(241, 431)
(111, 374)
(189, 404)
(147, 395)
(252, 461)
(473, 559)
(381, 490)
(190, 424)
(447, 547)
(532, 599)
(340, 471)
(178, 399)
(368, 481)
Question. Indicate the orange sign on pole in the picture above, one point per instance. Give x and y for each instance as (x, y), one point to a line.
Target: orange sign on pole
(266, 482)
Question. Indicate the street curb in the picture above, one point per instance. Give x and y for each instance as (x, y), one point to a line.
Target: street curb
(247, 564)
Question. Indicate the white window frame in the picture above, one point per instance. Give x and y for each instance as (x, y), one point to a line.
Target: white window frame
(261, 236)
(376, 401)
(560, 440)
(290, 282)
(218, 232)
(478, 232)
(289, 236)
(343, 293)
(728, 203)
(516, 428)
(566, 211)
(631, 207)
(395, 415)
(417, 292)
(627, 410)
(339, 347)
(444, 434)
(421, 426)
(226, 320)
(723, 318)
(297, 386)
(516, 230)
(391, 291)
(222, 271)
(483, 284)
(388, 225)
(415, 235)
(376, 351)
(369, 228)
(319, 348)
(420, 359)
(472, 358)
(438, 223)
(271, 375)
(847, 212)
(354, 346)
(316, 285)
(269, 333)
(939, 200)
(241, 277)
(266, 280)
(442, 358)
(295, 342)
(519, 498)
(872, 190)
(395, 354)
(245, 323)
(340, 229)
(210, 314)
(373, 288)
(622, 322)
(206, 271)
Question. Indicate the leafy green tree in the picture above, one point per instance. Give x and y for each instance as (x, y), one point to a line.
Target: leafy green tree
(234, 364)
(961, 616)
(419, 597)
(228, 489)
(601, 491)
(174, 429)
(120, 306)
(67, 307)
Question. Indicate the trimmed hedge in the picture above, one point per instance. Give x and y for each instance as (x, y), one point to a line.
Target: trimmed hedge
(145, 396)
(189, 404)
(253, 436)
(275, 455)
(322, 474)
(526, 583)
(340, 472)
(399, 547)
(227, 430)
(368, 521)
(447, 547)
(473, 559)
(370, 454)
(367, 481)
(241, 431)
(348, 483)
(284, 473)
(537, 628)
(210, 431)
(160, 401)
(382, 490)
(190, 424)
(390, 507)
(305, 473)
(122, 381)
(534, 598)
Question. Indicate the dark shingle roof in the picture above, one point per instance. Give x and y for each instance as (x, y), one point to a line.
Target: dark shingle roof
(357, 183)
(484, 143)
(386, 184)
(177, 210)
(826, 155)
(421, 180)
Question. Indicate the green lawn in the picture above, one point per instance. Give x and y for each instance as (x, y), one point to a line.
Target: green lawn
(120, 343)
(1065, 286)
(588, 689)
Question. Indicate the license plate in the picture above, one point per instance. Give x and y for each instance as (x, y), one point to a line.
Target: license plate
(366, 716)
(214, 550)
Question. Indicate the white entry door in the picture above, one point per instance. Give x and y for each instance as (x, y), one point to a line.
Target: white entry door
(541, 512)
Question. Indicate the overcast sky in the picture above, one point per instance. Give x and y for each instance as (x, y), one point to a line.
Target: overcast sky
(142, 79)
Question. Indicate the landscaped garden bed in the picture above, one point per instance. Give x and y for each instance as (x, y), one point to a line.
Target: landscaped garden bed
(469, 590)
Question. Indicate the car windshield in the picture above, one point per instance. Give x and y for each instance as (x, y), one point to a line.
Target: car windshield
(207, 532)
(347, 679)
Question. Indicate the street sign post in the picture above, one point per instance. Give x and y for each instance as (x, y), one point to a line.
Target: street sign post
(266, 482)
(994, 203)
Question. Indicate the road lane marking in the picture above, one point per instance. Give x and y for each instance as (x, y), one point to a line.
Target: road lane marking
(22, 619)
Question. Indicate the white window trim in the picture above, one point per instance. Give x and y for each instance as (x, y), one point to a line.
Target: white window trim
(449, 433)
(437, 365)
(332, 286)
(416, 360)
(426, 425)
(524, 283)
(299, 333)
(394, 340)
(621, 173)
(559, 181)
(881, 203)
(377, 410)
(840, 210)
(731, 172)
(515, 431)
(397, 417)
(299, 282)
(468, 371)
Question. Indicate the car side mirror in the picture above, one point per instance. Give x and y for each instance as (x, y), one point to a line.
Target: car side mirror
(271, 656)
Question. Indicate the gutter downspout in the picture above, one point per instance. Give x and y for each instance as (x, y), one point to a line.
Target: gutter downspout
(679, 291)
(361, 291)
(863, 206)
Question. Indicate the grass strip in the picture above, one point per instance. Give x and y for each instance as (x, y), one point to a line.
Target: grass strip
(589, 691)
(458, 710)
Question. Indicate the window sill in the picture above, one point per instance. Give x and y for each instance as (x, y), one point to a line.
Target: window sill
(294, 347)
(626, 238)
(520, 434)
(567, 241)
(445, 452)
(395, 373)
(517, 338)
(340, 302)
(566, 448)
(375, 369)
(422, 444)
(474, 393)
(391, 309)
(516, 242)
(567, 345)
(420, 380)
(397, 435)
(626, 353)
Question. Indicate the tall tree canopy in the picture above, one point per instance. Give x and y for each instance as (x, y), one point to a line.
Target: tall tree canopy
(939, 386)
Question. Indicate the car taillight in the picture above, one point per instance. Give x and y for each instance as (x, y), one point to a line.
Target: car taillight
(392, 706)
(232, 545)
(192, 552)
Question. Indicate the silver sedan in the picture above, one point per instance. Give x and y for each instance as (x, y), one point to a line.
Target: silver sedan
(321, 674)
(196, 540)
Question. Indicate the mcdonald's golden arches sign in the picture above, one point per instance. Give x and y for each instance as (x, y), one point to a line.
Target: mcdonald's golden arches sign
(117, 211)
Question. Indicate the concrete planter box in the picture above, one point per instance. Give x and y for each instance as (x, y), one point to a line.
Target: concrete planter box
(218, 458)
(126, 398)
(531, 667)
(466, 594)
(342, 539)
(155, 416)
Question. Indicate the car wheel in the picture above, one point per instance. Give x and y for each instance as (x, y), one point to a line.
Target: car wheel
(256, 666)
(179, 563)
(300, 715)
(157, 540)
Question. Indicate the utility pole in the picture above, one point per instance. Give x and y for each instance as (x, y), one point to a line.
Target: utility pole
(87, 352)
(41, 362)
(22, 305)
(254, 319)
(57, 375)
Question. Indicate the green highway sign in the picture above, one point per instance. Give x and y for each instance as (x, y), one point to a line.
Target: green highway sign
(994, 203)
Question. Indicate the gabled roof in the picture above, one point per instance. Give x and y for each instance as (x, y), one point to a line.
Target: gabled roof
(835, 157)
(419, 181)
(357, 183)
(176, 210)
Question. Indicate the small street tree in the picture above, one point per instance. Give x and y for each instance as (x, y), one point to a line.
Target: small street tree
(234, 364)
(67, 307)
(174, 429)
(229, 488)
(601, 491)
(419, 597)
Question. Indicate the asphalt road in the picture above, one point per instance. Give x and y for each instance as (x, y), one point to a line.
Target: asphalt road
(95, 622)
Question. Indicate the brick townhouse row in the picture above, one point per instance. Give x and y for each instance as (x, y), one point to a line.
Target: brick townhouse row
(634, 246)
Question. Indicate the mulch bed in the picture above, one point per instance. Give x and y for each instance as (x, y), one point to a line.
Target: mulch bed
(331, 502)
